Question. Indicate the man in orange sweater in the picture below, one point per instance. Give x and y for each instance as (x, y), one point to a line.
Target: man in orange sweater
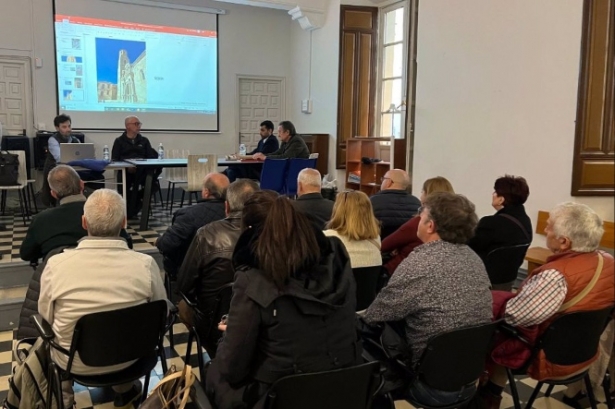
(573, 233)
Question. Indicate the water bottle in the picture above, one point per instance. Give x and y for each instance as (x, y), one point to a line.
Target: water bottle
(242, 149)
(160, 151)
(106, 155)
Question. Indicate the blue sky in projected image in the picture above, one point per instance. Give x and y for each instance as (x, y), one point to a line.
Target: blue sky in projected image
(108, 53)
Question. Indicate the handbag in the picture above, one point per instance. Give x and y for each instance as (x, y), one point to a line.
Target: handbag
(173, 391)
(9, 169)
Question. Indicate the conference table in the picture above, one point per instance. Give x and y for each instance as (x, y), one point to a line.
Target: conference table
(150, 166)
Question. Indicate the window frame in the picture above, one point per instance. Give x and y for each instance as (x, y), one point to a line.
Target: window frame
(381, 79)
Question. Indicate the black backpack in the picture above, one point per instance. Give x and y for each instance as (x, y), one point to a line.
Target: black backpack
(9, 169)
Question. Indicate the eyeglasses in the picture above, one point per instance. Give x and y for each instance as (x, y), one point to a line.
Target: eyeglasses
(382, 179)
(135, 123)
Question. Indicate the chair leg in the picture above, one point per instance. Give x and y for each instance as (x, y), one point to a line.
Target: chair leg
(168, 191)
(513, 389)
(33, 197)
(199, 355)
(189, 346)
(590, 392)
(162, 205)
(168, 287)
(549, 390)
(190, 199)
(21, 207)
(172, 197)
(606, 385)
(181, 203)
(145, 388)
(534, 395)
(163, 359)
(3, 201)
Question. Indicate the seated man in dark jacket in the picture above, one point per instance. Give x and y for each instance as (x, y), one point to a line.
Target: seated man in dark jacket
(175, 241)
(310, 200)
(207, 265)
(59, 226)
(393, 205)
(293, 146)
(132, 145)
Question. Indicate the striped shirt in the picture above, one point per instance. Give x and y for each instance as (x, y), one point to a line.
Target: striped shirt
(539, 299)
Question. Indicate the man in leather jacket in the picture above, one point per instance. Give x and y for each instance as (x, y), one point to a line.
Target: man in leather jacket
(207, 265)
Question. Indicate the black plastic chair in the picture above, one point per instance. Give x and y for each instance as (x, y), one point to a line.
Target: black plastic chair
(349, 388)
(503, 263)
(110, 338)
(207, 320)
(454, 359)
(368, 281)
(569, 340)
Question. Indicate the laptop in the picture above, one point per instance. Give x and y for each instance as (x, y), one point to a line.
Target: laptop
(76, 151)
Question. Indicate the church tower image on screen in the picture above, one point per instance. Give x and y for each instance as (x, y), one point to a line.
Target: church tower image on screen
(121, 71)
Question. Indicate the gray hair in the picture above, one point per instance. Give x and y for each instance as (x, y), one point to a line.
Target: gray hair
(128, 118)
(105, 213)
(239, 192)
(64, 180)
(216, 183)
(579, 223)
(310, 177)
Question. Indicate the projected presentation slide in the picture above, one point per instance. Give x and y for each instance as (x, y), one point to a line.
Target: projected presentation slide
(111, 66)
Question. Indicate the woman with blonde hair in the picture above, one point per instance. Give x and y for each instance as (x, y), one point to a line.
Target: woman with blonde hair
(404, 240)
(354, 223)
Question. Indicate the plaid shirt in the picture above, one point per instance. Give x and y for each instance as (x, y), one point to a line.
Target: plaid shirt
(539, 298)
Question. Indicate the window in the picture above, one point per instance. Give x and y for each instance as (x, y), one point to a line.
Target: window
(392, 73)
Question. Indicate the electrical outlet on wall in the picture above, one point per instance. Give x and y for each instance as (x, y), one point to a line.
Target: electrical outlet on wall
(306, 106)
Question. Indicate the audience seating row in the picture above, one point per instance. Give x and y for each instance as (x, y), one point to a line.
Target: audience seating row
(537, 256)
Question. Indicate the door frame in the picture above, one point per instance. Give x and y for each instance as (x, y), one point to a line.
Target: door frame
(26, 62)
(241, 77)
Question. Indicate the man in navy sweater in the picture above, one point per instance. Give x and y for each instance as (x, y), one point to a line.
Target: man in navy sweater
(268, 144)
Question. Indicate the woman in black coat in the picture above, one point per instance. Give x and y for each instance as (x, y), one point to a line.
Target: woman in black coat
(509, 226)
(293, 305)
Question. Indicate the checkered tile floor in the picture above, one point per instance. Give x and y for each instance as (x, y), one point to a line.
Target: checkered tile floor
(11, 238)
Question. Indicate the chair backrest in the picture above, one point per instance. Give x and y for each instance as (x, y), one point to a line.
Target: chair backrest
(295, 166)
(367, 285)
(22, 177)
(573, 338)
(118, 336)
(273, 175)
(503, 263)
(176, 174)
(198, 167)
(456, 358)
(349, 388)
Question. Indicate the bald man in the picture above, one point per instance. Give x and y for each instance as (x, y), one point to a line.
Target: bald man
(132, 145)
(310, 200)
(175, 242)
(393, 205)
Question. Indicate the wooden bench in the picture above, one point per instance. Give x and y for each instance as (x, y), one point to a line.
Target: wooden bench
(537, 256)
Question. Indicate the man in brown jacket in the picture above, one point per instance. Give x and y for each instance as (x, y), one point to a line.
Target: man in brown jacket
(207, 265)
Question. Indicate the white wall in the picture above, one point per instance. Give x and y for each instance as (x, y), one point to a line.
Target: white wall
(497, 93)
(253, 41)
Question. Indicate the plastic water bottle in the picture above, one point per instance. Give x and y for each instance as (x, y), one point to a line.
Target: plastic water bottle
(106, 155)
(242, 149)
(160, 151)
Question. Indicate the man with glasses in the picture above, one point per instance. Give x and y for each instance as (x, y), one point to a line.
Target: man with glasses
(132, 145)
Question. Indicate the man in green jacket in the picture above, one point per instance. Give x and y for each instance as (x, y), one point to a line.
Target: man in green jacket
(59, 226)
